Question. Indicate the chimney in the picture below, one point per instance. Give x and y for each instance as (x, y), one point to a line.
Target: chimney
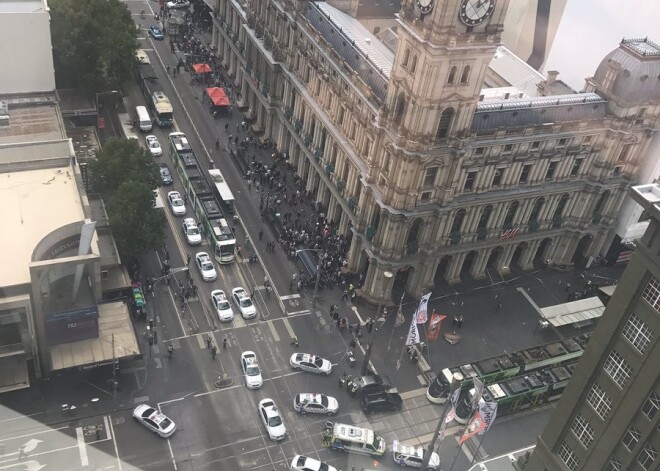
(551, 76)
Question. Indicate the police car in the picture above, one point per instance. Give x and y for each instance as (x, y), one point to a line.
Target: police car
(154, 420)
(311, 363)
(222, 306)
(305, 463)
(205, 266)
(412, 456)
(272, 420)
(251, 370)
(315, 404)
(191, 231)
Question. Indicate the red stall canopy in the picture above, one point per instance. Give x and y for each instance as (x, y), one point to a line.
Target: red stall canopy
(202, 68)
(217, 96)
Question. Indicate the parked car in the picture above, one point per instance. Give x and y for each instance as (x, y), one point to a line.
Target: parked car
(381, 402)
(272, 420)
(154, 420)
(368, 384)
(315, 404)
(305, 463)
(311, 363)
(156, 33)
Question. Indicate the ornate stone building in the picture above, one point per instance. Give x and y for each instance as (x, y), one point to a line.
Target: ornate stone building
(426, 177)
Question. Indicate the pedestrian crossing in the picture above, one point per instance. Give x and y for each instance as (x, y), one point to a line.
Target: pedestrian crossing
(278, 330)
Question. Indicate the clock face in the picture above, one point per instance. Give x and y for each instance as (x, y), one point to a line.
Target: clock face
(475, 12)
(425, 6)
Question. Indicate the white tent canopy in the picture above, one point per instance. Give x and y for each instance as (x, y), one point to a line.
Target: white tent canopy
(573, 312)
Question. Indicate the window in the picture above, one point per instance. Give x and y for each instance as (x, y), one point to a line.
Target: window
(562, 142)
(631, 438)
(508, 148)
(510, 214)
(524, 175)
(536, 144)
(429, 178)
(451, 78)
(583, 431)
(550, 173)
(465, 76)
(497, 176)
(599, 401)
(536, 209)
(457, 223)
(479, 151)
(469, 181)
(651, 406)
(577, 163)
(406, 58)
(444, 125)
(617, 368)
(568, 457)
(625, 150)
(651, 293)
(647, 457)
(425, 197)
(638, 333)
(413, 64)
(613, 465)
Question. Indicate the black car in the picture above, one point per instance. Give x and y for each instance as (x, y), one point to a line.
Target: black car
(380, 402)
(368, 385)
(165, 175)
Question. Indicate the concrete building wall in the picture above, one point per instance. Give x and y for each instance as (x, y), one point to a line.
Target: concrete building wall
(26, 51)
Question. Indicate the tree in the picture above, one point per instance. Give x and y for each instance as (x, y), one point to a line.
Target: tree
(123, 160)
(94, 43)
(136, 224)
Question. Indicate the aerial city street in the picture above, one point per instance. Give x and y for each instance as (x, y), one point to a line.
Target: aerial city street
(270, 331)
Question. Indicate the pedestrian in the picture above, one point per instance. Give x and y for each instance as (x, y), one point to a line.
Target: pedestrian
(498, 306)
(352, 343)
(344, 296)
(338, 321)
(568, 285)
(261, 234)
(358, 326)
(188, 260)
(208, 342)
(370, 325)
(214, 351)
(227, 127)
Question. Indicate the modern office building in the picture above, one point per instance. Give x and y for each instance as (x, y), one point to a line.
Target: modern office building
(430, 174)
(608, 419)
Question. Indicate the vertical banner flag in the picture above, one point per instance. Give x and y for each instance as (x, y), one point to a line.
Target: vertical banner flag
(480, 422)
(422, 310)
(413, 334)
(478, 392)
(454, 400)
(434, 326)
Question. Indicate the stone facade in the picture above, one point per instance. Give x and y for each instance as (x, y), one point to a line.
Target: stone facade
(425, 178)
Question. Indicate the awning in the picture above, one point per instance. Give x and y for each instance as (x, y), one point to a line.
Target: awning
(218, 96)
(607, 290)
(202, 68)
(573, 312)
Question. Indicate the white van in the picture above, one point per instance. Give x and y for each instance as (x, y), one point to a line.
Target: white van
(143, 118)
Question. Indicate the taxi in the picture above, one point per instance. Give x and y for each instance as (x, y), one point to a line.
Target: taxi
(413, 456)
(315, 404)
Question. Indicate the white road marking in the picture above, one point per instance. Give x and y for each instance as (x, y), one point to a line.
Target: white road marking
(290, 296)
(354, 308)
(31, 434)
(201, 341)
(421, 379)
(292, 334)
(106, 423)
(141, 399)
(218, 390)
(82, 448)
(273, 331)
(21, 417)
(114, 442)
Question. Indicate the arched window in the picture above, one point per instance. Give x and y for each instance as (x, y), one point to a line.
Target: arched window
(413, 64)
(444, 125)
(457, 224)
(465, 76)
(412, 242)
(406, 57)
(559, 210)
(451, 78)
(510, 215)
(400, 108)
(600, 205)
(485, 216)
(536, 210)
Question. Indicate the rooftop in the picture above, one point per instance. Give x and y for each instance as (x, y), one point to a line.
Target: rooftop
(515, 71)
(32, 118)
(27, 219)
(22, 6)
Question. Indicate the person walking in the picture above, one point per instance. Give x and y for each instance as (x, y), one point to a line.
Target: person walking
(261, 234)
(214, 351)
(188, 260)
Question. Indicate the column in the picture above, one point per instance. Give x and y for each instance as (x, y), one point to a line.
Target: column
(503, 264)
(527, 259)
(344, 222)
(477, 268)
(454, 270)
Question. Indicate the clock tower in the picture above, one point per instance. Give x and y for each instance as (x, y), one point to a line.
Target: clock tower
(441, 59)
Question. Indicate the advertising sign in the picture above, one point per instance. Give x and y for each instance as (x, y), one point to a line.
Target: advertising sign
(434, 326)
(72, 326)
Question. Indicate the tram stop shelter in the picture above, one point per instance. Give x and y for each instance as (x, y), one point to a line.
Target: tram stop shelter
(577, 313)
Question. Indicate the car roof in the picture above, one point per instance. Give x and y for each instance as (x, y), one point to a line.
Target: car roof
(189, 222)
(310, 397)
(239, 291)
(202, 255)
(408, 450)
(218, 293)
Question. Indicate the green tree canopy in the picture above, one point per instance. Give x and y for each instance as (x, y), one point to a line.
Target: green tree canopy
(94, 43)
(136, 224)
(122, 160)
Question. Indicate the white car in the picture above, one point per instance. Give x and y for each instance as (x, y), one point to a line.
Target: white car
(191, 231)
(311, 363)
(154, 420)
(315, 404)
(153, 145)
(176, 203)
(272, 419)
(251, 370)
(244, 303)
(304, 463)
(178, 4)
(205, 265)
(221, 305)
(413, 456)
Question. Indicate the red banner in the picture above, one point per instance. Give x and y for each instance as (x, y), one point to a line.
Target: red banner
(435, 324)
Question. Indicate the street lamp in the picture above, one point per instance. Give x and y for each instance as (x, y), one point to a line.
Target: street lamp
(370, 345)
(318, 275)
